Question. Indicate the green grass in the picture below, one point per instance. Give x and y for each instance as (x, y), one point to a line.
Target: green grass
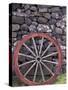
(61, 79)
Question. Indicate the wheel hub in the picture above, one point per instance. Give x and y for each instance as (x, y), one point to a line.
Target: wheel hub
(38, 58)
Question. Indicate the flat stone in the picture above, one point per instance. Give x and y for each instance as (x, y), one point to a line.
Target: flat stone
(58, 30)
(47, 15)
(55, 15)
(14, 34)
(43, 10)
(17, 20)
(49, 30)
(33, 8)
(55, 9)
(34, 23)
(15, 27)
(28, 21)
(42, 20)
(43, 28)
(32, 28)
(19, 14)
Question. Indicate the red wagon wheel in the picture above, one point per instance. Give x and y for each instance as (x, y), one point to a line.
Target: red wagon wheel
(37, 59)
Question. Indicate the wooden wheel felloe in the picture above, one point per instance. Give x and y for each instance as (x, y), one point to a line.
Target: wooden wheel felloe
(37, 59)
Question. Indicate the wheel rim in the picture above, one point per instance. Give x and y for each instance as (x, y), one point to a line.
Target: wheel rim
(38, 59)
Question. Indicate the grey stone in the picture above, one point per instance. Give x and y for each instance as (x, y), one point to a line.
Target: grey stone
(42, 20)
(35, 13)
(64, 18)
(55, 9)
(52, 49)
(32, 28)
(23, 10)
(14, 40)
(49, 30)
(41, 6)
(33, 18)
(28, 21)
(64, 31)
(19, 14)
(24, 28)
(19, 10)
(52, 27)
(52, 21)
(15, 27)
(23, 5)
(43, 28)
(17, 20)
(64, 40)
(33, 8)
(49, 10)
(61, 42)
(55, 15)
(64, 43)
(15, 43)
(14, 13)
(56, 35)
(15, 6)
(58, 30)
(64, 10)
(47, 15)
(14, 34)
(60, 24)
(43, 9)
(26, 7)
(19, 35)
(34, 23)
(28, 12)
(64, 70)
(63, 48)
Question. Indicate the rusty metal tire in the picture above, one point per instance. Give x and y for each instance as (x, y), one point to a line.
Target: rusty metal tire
(40, 63)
